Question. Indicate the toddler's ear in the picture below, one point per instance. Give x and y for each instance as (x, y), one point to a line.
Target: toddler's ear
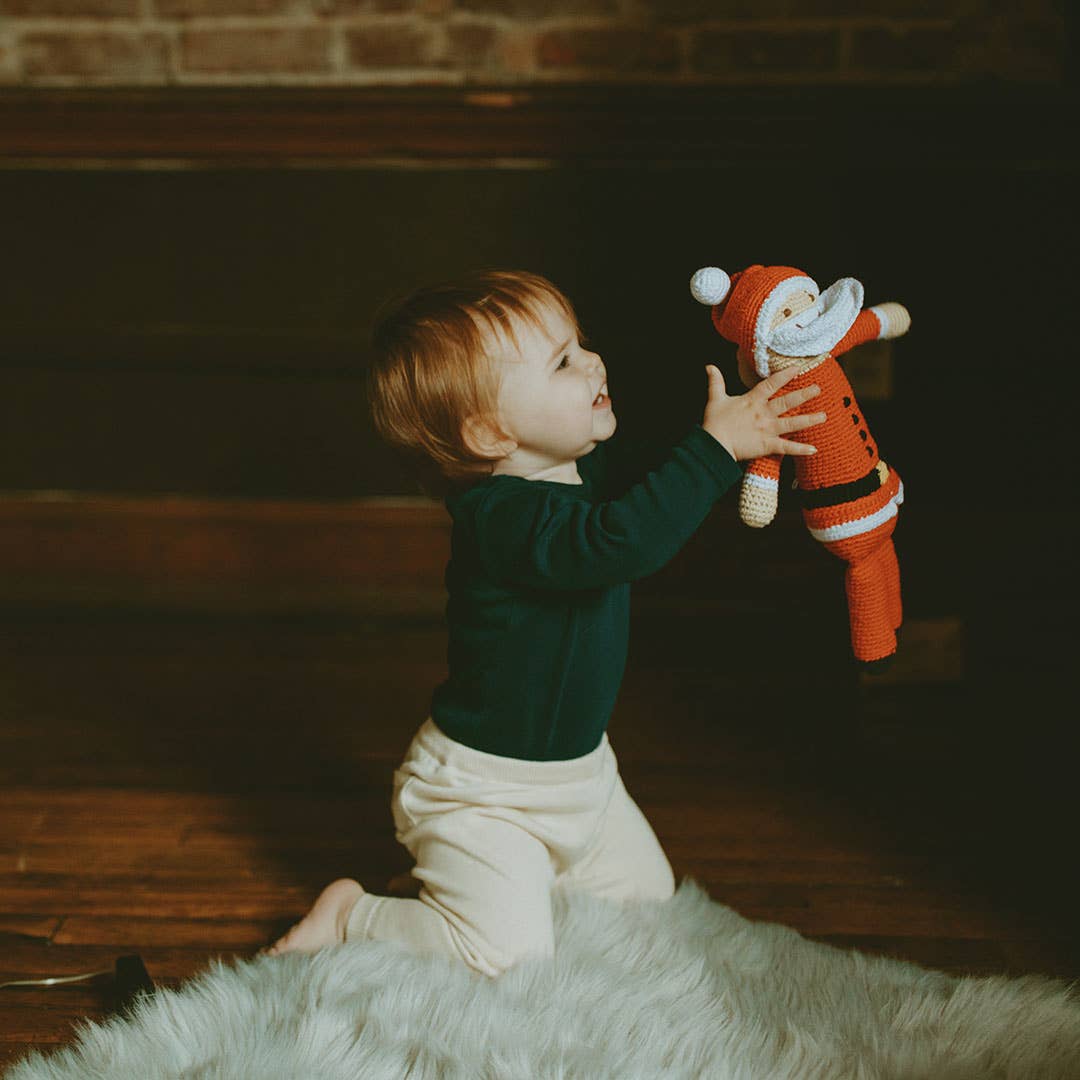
(484, 439)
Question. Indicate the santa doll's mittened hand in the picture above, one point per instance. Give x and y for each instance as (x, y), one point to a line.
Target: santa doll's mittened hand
(894, 317)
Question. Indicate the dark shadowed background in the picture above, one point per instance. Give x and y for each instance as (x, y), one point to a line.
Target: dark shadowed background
(202, 205)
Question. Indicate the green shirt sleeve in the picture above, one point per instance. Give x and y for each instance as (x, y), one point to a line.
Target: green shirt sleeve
(531, 534)
(622, 460)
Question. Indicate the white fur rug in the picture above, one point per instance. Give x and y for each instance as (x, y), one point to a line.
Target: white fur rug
(686, 988)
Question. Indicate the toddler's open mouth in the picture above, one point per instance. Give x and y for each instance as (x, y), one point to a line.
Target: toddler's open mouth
(601, 400)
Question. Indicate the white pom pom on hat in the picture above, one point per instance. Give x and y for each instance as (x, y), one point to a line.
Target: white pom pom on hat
(709, 285)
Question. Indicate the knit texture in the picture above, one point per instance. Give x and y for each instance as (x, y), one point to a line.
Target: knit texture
(857, 530)
(849, 494)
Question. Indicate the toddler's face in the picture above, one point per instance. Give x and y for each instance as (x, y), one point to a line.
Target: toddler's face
(548, 394)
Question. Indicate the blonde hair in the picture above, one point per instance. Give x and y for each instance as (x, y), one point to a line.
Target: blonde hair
(432, 368)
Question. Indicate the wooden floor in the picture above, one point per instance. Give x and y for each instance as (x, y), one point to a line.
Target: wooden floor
(182, 786)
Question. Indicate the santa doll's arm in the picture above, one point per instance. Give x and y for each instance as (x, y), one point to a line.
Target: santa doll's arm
(760, 491)
(889, 320)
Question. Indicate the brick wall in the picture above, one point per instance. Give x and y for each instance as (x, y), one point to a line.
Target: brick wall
(416, 42)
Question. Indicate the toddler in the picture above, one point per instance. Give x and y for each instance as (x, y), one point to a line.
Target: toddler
(510, 787)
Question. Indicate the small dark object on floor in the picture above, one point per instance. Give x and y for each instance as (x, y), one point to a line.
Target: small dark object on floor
(131, 981)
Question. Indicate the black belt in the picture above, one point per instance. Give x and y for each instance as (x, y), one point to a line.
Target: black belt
(814, 498)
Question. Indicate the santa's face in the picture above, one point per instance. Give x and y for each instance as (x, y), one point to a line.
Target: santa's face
(801, 324)
(798, 301)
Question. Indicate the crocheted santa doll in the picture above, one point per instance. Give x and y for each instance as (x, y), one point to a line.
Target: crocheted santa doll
(777, 316)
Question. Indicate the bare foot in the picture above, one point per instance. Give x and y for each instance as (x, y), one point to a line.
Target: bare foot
(325, 923)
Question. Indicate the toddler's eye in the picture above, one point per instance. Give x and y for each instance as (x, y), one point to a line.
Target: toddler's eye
(562, 362)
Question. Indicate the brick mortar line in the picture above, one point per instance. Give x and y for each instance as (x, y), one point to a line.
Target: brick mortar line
(411, 76)
(21, 24)
(194, 162)
(395, 77)
(864, 22)
(338, 52)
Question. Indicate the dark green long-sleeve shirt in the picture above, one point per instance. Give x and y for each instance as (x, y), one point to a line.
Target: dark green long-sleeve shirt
(539, 590)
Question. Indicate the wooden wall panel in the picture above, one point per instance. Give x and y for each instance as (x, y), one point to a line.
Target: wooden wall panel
(204, 332)
(576, 122)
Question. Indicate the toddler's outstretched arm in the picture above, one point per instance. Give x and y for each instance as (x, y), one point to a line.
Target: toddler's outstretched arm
(528, 535)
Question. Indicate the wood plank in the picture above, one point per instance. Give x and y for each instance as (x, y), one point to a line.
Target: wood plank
(233, 935)
(1060, 959)
(744, 859)
(357, 859)
(875, 824)
(960, 956)
(42, 927)
(373, 543)
(359, 553)
(206, 827)
(48, 1022)
(15, 1051)
(813, 908)
(46, 1014)
(841, 909)
(934, 651)
(970, 956)
(29, 960)
(140, 895)
(566, 122)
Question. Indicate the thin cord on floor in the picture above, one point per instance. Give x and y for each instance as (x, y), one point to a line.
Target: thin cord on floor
(56, 980)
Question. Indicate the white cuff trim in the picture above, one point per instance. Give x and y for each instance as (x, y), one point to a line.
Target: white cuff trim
(847, 529)
(769, 483)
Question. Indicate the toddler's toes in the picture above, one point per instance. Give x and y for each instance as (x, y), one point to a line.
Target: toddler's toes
(324, 924)
(285, 943)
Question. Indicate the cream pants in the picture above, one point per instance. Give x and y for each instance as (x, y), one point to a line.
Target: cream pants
(492, 836)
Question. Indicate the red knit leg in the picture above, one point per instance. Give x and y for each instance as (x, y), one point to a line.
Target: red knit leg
(869, 609)
(891, 572)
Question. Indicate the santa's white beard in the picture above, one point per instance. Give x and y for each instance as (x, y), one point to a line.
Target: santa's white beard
(817, 329)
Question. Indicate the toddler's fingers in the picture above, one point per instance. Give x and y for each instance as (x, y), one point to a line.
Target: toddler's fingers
(785, 424)
(777, 379)
(806, 420)
(799, 449)
(716, 380)
(789, 401)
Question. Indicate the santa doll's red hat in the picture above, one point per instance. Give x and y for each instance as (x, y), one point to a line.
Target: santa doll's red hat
(744, 304)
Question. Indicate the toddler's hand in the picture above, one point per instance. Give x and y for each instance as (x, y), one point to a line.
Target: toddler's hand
(750, 425)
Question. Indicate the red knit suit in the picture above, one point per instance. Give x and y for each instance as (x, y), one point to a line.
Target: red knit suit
(849, 495)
